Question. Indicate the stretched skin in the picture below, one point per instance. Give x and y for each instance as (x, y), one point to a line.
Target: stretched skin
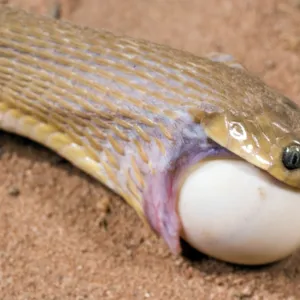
(135, 114)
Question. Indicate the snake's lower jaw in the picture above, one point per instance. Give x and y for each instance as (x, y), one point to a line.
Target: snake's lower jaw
(235, 212)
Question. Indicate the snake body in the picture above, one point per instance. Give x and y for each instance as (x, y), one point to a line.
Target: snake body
(133, 114)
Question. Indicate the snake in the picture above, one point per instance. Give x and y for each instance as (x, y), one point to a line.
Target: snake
(135, 114)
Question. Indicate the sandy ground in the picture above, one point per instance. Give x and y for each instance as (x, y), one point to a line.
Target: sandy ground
(64, 236)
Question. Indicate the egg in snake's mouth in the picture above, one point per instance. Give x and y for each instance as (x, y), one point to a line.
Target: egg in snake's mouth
(223, 205)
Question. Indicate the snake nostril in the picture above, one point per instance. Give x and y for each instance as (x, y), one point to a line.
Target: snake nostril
(291, 157)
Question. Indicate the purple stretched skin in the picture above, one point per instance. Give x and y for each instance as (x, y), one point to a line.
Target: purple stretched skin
(161, 195)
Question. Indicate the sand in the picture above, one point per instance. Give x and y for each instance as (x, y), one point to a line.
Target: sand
(65, 236)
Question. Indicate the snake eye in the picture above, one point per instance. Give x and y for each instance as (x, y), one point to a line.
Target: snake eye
(291, 157)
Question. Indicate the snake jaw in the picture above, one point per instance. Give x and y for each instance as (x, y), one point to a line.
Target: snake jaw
(160, 197)
(254, 142)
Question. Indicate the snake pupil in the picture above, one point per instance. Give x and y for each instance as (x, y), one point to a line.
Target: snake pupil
(291, 157)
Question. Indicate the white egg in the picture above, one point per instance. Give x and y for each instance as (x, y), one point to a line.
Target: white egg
(235, 212)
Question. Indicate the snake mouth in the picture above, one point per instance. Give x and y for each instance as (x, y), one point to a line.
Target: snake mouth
(282, 163)
(258, 144)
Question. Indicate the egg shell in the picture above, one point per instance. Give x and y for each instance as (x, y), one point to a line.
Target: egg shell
(237, 213)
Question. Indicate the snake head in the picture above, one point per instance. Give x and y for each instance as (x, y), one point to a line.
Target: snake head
(256, 123)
